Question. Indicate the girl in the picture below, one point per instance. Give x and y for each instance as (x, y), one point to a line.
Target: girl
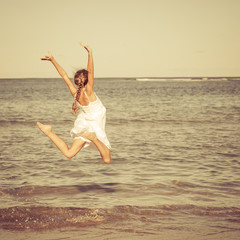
(89, 127)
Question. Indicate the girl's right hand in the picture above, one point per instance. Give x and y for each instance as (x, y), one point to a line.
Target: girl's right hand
(86, 47)
(49, 57)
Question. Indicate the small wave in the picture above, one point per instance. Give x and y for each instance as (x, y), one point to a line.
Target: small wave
(24, 122)
(20, 121)
(40, 217)
(43, 190)
(19, 218)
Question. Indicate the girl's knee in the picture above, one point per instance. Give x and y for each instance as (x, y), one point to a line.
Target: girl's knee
(69, 155)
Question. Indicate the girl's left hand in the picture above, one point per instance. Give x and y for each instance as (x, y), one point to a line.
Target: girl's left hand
(48, 58)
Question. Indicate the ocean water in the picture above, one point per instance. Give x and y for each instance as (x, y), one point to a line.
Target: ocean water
(175, 171)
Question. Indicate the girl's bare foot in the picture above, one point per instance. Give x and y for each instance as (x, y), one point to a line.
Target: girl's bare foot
(46, 129)
(90, 136)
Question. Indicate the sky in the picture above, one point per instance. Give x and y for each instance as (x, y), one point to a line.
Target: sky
(129, 38)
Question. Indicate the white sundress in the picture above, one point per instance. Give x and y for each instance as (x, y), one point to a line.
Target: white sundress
(91, 118)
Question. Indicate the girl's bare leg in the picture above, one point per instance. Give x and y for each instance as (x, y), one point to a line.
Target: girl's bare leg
(62, 146)
(102, 148)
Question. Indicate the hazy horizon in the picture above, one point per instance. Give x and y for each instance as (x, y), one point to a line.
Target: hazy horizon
(142, 77)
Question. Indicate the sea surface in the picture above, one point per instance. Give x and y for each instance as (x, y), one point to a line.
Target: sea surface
(175, 171)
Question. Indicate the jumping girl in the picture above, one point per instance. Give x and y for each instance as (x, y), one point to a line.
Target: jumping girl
(89, 127)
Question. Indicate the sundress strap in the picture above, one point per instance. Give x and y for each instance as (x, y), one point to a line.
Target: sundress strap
(86, 96)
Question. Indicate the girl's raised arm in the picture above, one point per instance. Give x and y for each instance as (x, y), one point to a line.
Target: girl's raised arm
(62, 73)
(90, 68)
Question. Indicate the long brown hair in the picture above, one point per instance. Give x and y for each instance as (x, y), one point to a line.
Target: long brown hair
(80, 79)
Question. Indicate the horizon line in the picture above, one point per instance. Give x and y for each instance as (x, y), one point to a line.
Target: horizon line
(162, 77)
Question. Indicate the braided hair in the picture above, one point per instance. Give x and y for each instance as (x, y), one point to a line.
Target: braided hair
(80, 79)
